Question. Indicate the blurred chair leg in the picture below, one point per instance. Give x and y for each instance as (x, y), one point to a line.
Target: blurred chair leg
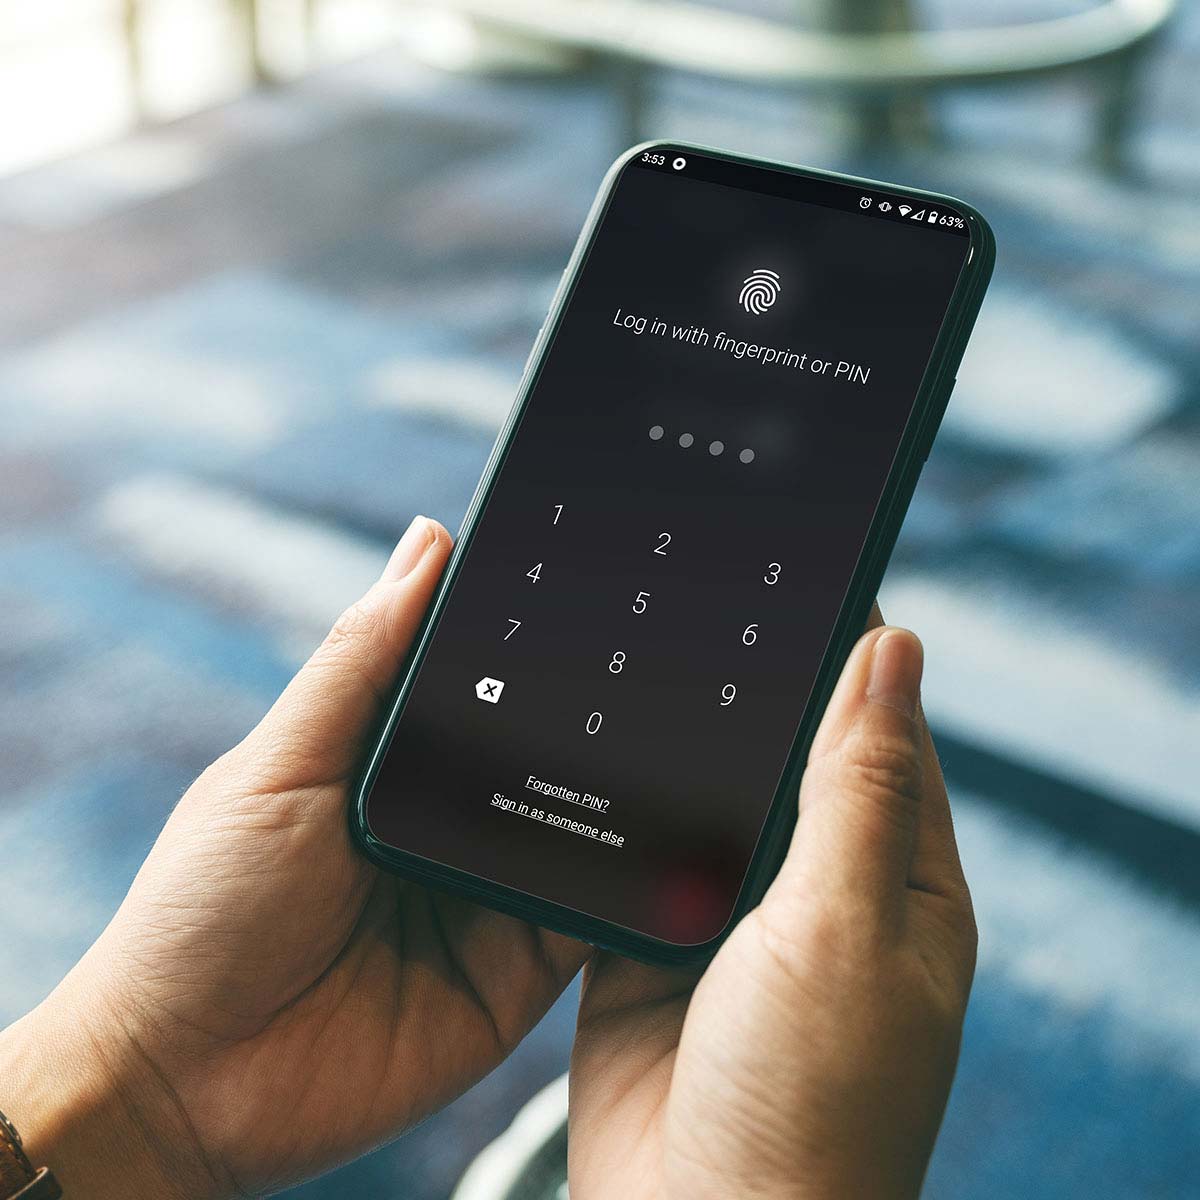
(309, 17)
(631, 88)
(1118, 83)
(247, 11)
(900, 115)
(893, 115)
(131, 28)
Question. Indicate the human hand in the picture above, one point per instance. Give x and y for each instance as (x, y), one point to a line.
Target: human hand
(813, 1058)
(265, 1003)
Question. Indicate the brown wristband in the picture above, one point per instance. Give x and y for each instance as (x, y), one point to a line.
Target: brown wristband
(18, 1179)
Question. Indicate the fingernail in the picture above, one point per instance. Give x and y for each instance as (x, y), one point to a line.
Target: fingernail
(409, 549)
(895, 675)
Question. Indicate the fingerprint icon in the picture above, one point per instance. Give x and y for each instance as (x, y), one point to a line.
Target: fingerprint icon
(760, 289)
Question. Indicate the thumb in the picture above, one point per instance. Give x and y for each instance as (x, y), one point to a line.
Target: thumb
(314, 732)
(861, 793)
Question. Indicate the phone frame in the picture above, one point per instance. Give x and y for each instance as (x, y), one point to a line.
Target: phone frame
(932, 397)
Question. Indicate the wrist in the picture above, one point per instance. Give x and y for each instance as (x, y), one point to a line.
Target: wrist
(96, 1111)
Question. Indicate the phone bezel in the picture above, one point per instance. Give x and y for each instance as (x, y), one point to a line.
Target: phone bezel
(932, 395)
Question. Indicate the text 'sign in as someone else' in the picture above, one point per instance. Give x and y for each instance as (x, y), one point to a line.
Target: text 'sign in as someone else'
(582, 824)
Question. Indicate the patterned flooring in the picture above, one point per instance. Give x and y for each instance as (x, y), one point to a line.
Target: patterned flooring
(241, 350)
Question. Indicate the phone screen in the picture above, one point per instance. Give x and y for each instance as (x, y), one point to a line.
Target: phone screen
(609, 696)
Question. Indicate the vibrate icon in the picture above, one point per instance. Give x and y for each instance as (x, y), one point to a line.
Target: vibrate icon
(760, 289)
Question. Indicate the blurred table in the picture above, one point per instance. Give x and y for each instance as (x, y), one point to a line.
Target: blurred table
(872, 50)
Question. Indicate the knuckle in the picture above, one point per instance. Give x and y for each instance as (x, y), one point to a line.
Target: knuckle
(351, 640)
(959, 911)
(882, 766)
(947, 939)
(785, 949)
(350, 627)
(352, 643)
(822, 935)
(967, 929)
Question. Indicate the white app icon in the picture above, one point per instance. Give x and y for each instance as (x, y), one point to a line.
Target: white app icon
(759, 290)
(489, 689)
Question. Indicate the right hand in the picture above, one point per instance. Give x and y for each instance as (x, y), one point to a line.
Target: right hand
(813, 1058)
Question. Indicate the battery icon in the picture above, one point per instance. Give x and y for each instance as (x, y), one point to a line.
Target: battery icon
(932, 216)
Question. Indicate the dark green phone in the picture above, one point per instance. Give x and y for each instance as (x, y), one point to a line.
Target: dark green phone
(604, 720)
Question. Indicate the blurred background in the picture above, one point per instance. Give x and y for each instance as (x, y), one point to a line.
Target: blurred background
(270, 269)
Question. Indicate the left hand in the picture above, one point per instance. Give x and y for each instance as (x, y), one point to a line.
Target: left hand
(266, 1004)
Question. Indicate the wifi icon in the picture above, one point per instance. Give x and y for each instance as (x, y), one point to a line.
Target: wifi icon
(759, 290)
(905, 209)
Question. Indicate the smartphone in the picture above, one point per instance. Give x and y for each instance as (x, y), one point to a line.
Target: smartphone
(603, 722)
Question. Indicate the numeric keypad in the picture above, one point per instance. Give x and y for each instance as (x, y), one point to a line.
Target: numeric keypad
(649, 661)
